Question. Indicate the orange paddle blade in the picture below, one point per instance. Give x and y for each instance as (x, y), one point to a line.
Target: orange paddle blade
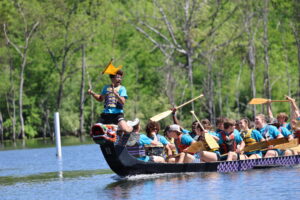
(258, 101)
(262, 101)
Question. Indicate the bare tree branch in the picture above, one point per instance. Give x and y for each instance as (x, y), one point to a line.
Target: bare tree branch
(10, 42)
(169, 26)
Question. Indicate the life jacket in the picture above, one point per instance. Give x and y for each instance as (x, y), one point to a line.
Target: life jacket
(247, 137)
(111, 100)
(229, 144)
(179, 145)
(155, 150)
(133, 145)
(206, 146)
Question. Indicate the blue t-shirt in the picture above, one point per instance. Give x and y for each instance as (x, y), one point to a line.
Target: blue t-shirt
(144, 140)
(255, 134)
(286, 125)
(269, 132)
(112, 109)
(161, 139)
(186, 139)
(284, 131)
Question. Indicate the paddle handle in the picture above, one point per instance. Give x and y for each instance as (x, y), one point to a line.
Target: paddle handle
(201, 126)
(280, 101)
(189, 101)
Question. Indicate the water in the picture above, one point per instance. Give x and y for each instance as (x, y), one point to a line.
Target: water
(36, 174)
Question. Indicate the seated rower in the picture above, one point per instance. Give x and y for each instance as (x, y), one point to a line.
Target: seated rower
(182, 142)
(135, 144)
(162, 144)
(208, 154)
(268, 132)
(231, 142)
(171, 143)
(250, 137)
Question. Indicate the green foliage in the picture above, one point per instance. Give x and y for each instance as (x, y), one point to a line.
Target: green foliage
(156, 73)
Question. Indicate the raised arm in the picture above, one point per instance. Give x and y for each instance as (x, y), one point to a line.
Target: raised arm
(295, 109)
(174, 116)
(269, 110)
(98, 97)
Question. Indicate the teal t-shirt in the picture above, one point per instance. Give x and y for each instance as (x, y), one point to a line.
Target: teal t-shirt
(144, 140)
(255, 134)
(269, 132)
(186, 139)
(284, 131)
(161, 139)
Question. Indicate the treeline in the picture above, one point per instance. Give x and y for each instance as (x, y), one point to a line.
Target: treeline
(52, 51)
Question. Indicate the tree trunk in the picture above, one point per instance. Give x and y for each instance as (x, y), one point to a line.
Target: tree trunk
(82, 97)
(190, 75)
(12, 100)
(252, 65)
(46, 128)
(1, 128)
(296, 30)
(237, 89)
(296, 35)
(92, 117)
(210, 95)
(22, 128)
(59, 94)
(267, 90)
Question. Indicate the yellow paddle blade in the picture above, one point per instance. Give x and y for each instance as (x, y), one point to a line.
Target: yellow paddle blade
(160, 116)
(196, 147)
(212, 143)
(258, 101)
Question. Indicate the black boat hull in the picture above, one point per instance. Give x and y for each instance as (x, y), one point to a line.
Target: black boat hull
(123, 164)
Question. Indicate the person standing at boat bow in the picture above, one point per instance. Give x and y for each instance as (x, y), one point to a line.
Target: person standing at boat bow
(114, 97)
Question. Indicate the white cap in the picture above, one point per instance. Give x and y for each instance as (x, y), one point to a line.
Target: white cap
(174, 127)
(133, 123)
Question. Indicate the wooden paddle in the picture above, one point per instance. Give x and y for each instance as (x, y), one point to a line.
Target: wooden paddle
(262, 101)
(162, 115)
(199, 146)
(265, 144)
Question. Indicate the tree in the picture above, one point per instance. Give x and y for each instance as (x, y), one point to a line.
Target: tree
(23, 52)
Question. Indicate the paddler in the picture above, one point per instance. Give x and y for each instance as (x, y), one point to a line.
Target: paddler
(182, 142)
(268, 132)
(250, 137)
(114, 97)
(231, 142)
(161, 144)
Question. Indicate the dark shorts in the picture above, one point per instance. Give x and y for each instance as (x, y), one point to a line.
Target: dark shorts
(220, 157)
(108, 118)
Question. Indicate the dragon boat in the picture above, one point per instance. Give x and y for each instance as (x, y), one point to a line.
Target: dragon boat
(123, 164)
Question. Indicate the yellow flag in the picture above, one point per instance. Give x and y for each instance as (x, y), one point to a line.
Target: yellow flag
(110, 69)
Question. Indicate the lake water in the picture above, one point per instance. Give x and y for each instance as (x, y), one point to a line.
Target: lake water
(82, 174)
